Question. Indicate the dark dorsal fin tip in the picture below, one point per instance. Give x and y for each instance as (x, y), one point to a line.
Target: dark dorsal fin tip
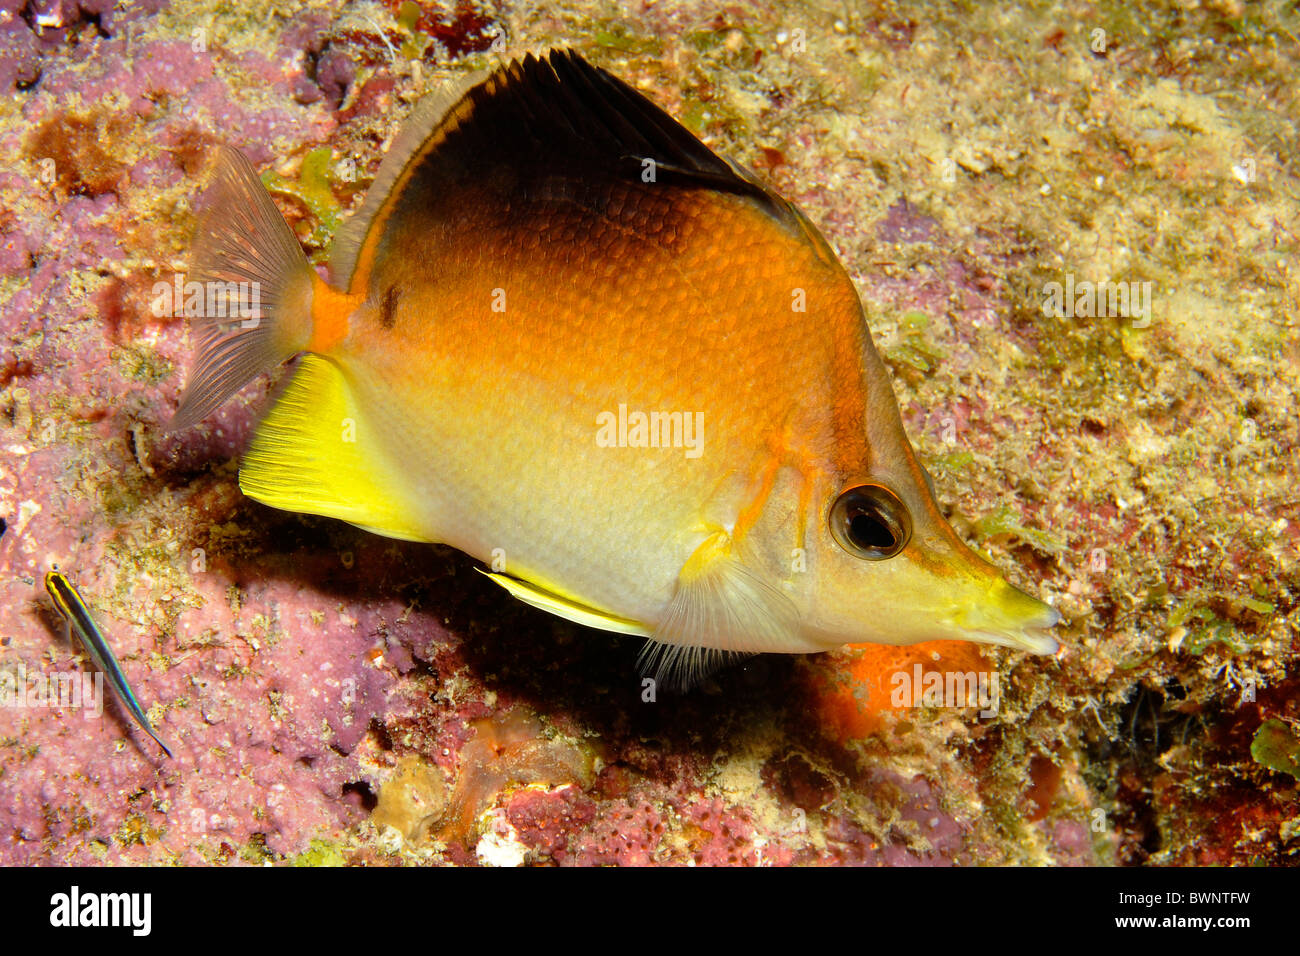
(561, 93)
(539, 115)
(659, 132)
(546, 94)
(570, 101)
(667, 131)
(573, 78)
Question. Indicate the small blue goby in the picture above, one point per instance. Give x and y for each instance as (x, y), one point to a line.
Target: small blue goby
(77, 618)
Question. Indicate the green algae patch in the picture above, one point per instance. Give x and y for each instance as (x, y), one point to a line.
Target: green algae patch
(1003, 522)
(911, 345)
(314, 190)
(415, 43)
(950, 464)
(255, 852)
(617, 35)
(1276, 747)
(1205, 628)
(320, 853)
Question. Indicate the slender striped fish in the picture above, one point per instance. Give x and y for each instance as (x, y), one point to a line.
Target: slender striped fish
(77, 615)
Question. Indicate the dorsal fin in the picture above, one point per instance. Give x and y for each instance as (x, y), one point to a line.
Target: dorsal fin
(418, 130)
(530, 119)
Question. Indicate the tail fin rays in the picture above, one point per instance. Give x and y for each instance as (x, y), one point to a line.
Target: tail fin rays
(257, 290)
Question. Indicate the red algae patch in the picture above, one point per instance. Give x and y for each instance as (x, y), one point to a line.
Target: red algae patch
(509, 750)
(72, 146)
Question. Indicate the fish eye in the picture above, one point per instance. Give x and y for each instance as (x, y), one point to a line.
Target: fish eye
(870, 522)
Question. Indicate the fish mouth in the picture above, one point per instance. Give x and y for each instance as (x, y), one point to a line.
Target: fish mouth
(1013, 619)
(1035, 640)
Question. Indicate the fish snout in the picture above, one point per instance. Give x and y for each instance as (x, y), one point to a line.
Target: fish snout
(1011, 618)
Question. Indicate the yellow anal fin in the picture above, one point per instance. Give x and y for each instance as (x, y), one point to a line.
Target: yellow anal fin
(566, 608)
(314, 453)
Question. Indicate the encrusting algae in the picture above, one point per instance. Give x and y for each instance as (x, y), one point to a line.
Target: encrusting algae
(566, 338)
(1160, 460)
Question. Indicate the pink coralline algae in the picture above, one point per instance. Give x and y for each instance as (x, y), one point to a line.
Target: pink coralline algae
(335, 697)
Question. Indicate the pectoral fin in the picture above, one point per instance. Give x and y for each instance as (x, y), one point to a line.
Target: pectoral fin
(722, 610)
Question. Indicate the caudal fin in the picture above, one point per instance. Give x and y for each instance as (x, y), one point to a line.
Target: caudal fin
(256, 290)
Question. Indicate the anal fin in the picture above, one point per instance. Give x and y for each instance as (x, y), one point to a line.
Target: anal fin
(314, 452)
(566, 608)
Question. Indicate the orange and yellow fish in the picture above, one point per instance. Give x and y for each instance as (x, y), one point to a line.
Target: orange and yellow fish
(568, 339)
